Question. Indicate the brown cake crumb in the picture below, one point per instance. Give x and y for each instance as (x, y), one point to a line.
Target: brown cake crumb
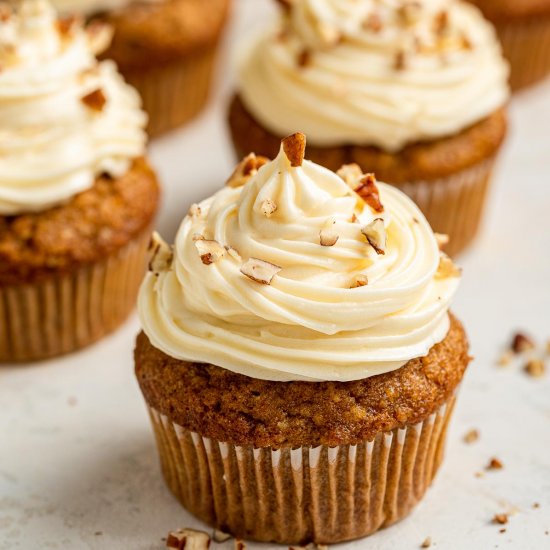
(494, 464)
(471, 437)
(535, 368)
(521, 343)
(501, 519)
(427, 543)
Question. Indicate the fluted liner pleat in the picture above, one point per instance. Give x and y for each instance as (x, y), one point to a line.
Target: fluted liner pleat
(454, 205)
(174, 93)
(526, 45)
(321, 494)
(70, 311)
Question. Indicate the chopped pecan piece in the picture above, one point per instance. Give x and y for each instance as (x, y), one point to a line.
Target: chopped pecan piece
(260, 271)
(210, 251)
(375, 232)
(368, 191)
(294, 147)
(247, 168)
(95, 100)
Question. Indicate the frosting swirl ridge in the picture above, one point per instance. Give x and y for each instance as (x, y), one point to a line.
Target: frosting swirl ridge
(365, 72)
(342, 311)
(65, 117)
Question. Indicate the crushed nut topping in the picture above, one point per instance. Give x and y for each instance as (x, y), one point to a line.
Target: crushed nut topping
(210, 251)
(198, 237)
(360, 281)
(447, 268)
(66, 25)
(304, 58)
(220, 536)
(471, 437)
(466, 43)
(375, 232)
(494, 464)
(247, 168)
(368, 191)
(501, 519)
(400, 61)
(350, 173)
(373, 23)
(6, 12)
(521, 343)
(195, 211)
(240, 545)
(268, 208)
(294, 147)
(505, 359)
(234, 253)
(161, 254)
(442, 240)
(95, 100)
(427, 543)
(441, 22)
(328, 237)
(330, 36)
(535, 368)
(410, 12)
(187, 539)
(260, 271)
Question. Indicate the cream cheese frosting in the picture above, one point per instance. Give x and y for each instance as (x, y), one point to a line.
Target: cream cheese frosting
(340, 312)
(65, 118)
(374, 72)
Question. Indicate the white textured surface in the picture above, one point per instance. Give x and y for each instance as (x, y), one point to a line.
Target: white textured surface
(76, 452)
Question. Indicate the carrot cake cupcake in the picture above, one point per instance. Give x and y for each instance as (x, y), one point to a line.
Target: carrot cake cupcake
(77, 197)
(297, 356)
(415, 91)
(166, 49)
(524, 29)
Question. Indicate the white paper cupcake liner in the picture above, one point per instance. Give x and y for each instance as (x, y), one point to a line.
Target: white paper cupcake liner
(309, 494)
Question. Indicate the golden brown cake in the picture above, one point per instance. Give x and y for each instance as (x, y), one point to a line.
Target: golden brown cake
(77, 198)
(297, 357)
(167, 49)
(524, 30)
(415, 92)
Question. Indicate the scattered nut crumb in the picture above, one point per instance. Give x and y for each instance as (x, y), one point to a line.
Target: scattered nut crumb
(441, 22)
(210, 251)
(65, 25)
(220, 536)
(195, 211)
(260, 271)
(536, 505)
(98, 533)
(328, 237)
(375, 232)
(505, 359)
(447, 268)
(410, 12)
(294, 147)
(95, 100)
(521, 343)
(187, 539)
(373, 23)
(350, 173)
(304, 58)
(503, 530)
(240, 545)
(268, 208)
(427, 543)
(479, 474)
(494, 464)
(400, 61)
(535, 368)
(471, 437)
(501, 519)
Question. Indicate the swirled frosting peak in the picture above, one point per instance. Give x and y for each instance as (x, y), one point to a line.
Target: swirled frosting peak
(374, 72)
(293, 272)
(65, 117)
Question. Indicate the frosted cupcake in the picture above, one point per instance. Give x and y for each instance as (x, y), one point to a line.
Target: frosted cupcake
(415, 91)
(524, 30)
(77, 198)
(297, 356)
(166, 49)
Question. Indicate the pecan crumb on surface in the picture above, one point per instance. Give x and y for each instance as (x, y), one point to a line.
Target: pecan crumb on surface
(220, 536)
(260, 271)
(441, 22)
(535, 368)
(494, 464)
(375, 233)
(503, 530)
(240, 545)
(505, 358)
(399, 63)
(360, 281)
(95, 100)
(447, 268)
(268, 208)
(187, 539)
(210, 251)
(536, 505)
(294, 147)
(247, 168)
(427, 543)
(521, 343)
(501, 519)
(471, 437)
(328, 237)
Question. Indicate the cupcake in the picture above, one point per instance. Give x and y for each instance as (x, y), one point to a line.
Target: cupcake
(77, 197)
(524, 30)
(297, 357)
(166, 49)
(413, 91)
